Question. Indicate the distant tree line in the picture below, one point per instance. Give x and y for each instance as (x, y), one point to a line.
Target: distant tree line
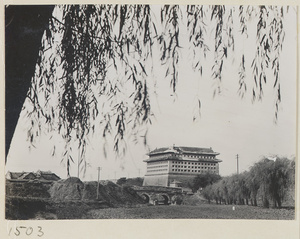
(203, 180)
(269, 180)
(130, 181)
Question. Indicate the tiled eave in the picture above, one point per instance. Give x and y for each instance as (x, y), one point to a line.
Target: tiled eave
(178, 158)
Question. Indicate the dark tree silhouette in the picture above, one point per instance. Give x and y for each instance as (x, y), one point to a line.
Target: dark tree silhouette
(87, 44)
(203, 180)
(24, 28)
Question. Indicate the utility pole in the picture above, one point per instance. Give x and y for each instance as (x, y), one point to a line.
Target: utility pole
(78, 163)
(139, 172)
(98, 168)
(237, 163)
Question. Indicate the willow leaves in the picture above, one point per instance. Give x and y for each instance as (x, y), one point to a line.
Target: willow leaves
(94, 68)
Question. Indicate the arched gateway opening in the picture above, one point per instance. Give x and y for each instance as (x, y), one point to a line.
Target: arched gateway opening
(163, 199)
(146, 198)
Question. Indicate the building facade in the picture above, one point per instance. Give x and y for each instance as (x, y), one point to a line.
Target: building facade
(180, 164)
(27, 176)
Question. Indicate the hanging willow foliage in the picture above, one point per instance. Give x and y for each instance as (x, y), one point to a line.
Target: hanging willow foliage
(88, 42)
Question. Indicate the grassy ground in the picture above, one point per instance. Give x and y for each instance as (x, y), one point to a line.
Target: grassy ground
(20, 208)
(205, 211)
(73, 199)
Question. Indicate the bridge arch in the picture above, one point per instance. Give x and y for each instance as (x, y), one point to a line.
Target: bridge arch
(165, 199)
(146, 197)
(158, 195)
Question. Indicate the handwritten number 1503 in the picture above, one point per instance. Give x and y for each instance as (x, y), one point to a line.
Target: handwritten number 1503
(22, 230)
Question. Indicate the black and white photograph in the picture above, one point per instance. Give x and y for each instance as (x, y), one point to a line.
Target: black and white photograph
(133, 111)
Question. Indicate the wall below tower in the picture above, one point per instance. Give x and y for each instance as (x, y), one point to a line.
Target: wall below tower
(183, 178)
(165, 180)
(156, 180)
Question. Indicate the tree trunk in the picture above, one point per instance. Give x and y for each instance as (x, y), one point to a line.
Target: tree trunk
(279, 202)
(266, 202)
(24, 28)
(274, 203)
(255, 202)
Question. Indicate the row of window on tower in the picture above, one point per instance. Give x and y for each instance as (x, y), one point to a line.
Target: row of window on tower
(194, 171)
(158, 166)
(192, 163)
(156, 162)
(199, 156)
(196, 167)
(156, 170)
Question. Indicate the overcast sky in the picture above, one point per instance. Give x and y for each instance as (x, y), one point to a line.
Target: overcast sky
(228, 124)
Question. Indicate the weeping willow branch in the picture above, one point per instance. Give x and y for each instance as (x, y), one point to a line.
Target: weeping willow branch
(93, 70)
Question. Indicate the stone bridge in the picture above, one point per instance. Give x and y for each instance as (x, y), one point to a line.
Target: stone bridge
(159, 195)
